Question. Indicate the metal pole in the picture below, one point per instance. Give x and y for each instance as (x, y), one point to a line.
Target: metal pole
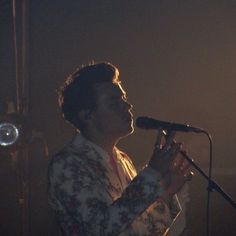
(25, 111)
(20, 12)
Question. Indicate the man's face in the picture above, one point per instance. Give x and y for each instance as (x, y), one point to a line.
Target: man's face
(112, 116)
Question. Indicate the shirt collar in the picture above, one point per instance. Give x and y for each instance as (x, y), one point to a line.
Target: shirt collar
(79, 140)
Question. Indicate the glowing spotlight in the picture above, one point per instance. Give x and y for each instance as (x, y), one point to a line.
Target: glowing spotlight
(13, 131)
(9, 134)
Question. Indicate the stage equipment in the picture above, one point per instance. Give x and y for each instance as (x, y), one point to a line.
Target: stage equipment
(14, 132)
(150, 123)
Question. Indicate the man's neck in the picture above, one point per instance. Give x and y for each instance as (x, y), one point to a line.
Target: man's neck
(106, 143)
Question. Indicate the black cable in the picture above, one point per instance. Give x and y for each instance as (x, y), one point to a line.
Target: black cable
(209, 187)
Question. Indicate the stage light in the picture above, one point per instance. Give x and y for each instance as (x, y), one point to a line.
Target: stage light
(14, 131)
(9, 134)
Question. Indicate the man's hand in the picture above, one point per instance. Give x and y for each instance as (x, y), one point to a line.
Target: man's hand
(164, 154)
(170, 163)
(179, 173)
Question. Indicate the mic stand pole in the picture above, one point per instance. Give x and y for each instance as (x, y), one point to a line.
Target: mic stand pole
(212, 186)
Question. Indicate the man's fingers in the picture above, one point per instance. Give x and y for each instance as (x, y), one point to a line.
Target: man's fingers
(170, 154)
(158, 144)
(175, 149)
(180, 163)
(185, 166)
(169, 140)
(182, 167)
(189, 175)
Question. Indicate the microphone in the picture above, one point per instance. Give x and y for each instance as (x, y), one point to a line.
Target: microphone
(150, 123)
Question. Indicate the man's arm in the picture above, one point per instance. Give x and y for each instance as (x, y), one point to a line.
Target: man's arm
(84, 205)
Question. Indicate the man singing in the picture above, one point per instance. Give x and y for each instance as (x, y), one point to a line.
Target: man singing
(93, 186)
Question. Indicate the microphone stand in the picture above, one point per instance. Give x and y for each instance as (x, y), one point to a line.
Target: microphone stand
(212, 186)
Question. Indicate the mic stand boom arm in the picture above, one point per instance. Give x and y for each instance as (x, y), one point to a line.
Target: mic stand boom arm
(212, 186)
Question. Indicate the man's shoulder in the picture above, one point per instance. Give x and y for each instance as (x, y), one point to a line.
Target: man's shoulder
(70, 153)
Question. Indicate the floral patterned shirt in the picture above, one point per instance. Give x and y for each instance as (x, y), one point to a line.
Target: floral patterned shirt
(90, 198)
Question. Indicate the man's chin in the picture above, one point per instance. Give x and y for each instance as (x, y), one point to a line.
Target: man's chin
(129, 131)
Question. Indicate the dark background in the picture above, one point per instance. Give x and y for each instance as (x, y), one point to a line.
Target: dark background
(177, 61)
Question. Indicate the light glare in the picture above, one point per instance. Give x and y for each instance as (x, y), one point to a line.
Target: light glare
(9, 134)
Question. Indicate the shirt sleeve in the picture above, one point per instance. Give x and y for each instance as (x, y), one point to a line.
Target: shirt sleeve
(83, 204)
(160, 216)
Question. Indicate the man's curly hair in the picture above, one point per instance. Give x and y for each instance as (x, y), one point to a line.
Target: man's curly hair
(78, 92)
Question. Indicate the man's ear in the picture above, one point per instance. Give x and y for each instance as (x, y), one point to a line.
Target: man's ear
(85, 115)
